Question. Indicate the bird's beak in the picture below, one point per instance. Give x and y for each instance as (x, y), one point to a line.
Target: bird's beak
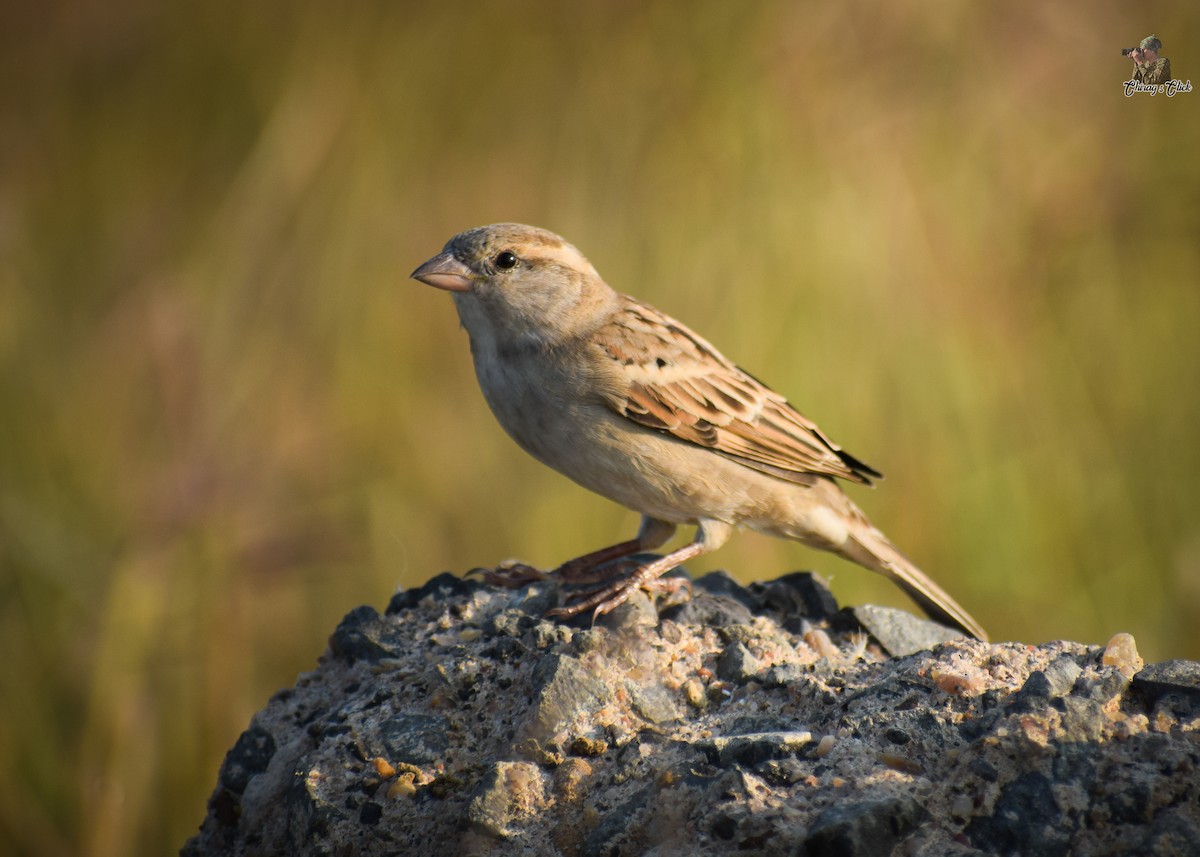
(443, 271)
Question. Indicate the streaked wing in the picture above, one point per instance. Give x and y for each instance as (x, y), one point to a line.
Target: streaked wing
(683, 386)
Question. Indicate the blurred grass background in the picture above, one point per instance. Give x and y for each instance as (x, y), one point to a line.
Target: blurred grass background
(227, 417)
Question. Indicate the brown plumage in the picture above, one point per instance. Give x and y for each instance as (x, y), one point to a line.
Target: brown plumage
(632, 404)
(676, 387)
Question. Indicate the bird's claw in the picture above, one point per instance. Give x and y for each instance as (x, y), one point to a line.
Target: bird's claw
(608, 598)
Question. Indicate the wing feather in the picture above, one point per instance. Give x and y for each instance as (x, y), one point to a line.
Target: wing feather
(681, 385)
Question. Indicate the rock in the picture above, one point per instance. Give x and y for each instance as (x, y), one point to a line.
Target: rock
(1062, 674)
(445, 585)
(248, 758)
(718, 600)
(798, 596)
(902, 633)
(1054, 682)
(1157, 680)
(864, 828)
(653, 702)
(1173, 834)
(750, 722)
(362, 635)
(1026, 821)
(751, 749)
(416, 739)
(565, 692)
(1121, 653)
(719, 583)
(509, 794)
(737, 663)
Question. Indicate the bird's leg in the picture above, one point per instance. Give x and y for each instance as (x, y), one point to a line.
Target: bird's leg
(513, 575)
(652, 533)
(709, 536)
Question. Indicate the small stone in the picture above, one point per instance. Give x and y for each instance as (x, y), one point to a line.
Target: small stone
(825, 746)
(565, 691)
(636, 611)
(415, 738)
(402, 787)
(962, 806)
(1037, 686)
(587, 746)
(1106, 685)
(1157, 680)
(984, 769)
(1026, 820)
(720, 691)
(737, 663)
(720, 583)
(957, 680)
(569, 778)
(783, 771)
(1121, 653)
(653, 702)
(867, 827)
(1163, 721)
(693, 692)
(783, 675)
(752, 748)
(901, 633)
(443, 587)
(363, 635)
(717, 600)
(1062, 674)
(1083, 719)
(510, 793)
(902, 763)
(249, 757)
(818, 640)
(799, 595)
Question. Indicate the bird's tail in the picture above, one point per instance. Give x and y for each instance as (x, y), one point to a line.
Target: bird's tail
(857, 539)
(871, 549)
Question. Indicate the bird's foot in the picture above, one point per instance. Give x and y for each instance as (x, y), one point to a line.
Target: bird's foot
(607, 598)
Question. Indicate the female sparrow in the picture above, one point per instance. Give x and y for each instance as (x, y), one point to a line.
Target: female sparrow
(632, 404)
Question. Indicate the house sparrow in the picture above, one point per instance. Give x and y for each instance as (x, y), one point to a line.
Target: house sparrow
(630, 403)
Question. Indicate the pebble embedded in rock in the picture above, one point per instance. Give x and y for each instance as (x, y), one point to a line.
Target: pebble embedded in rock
(509, 794)
(750, 749)
(1157, 680)
(902, 633)
(864, 827)
(249, 757)
(1121, 653)
(738, 664)
(566, 692)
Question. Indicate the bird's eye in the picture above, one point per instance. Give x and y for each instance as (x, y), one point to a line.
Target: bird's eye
(506, 260)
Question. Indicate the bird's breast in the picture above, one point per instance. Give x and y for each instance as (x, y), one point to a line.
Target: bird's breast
(532, 398)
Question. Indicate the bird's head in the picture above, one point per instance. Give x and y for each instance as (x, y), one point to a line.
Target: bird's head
(519, 284)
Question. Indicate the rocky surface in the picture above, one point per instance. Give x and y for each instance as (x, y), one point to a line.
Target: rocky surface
(757, 720)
